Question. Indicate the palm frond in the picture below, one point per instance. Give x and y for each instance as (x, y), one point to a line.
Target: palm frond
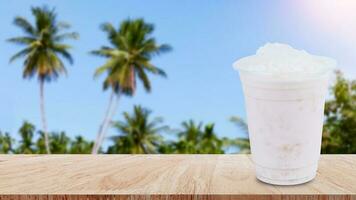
(153, 69)
(243, 145)
(240, 123)
(20, 54)
(150, 48)
(61, 49)
(45, 18)
(143, 77)
(30, 64)
(22, 40)
(61, 37)
(63, 25)
(109, 52)
(25, 25)
(164, 48)
(100, 70)
(110, 30)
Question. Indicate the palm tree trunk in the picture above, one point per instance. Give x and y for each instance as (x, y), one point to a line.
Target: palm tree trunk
(103, 125)
(43, 116)
(108, 121)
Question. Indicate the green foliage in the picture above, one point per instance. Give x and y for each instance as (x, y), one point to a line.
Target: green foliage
(196, 139)
(339, 135)
(129, 55)
(6, 143)
(40, 143)
(30, 143)
(242, 143)
(80, 146)
(188, 138)
(210, 142)
(59, 143)
(26, 143)
(138, 134)
(43, 47)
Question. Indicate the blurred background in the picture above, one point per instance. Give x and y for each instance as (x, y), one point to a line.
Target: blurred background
(157, 77)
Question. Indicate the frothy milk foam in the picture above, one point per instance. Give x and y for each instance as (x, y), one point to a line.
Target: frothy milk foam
(285, 91)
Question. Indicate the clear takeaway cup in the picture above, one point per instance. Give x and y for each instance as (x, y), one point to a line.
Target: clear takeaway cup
(285, 120)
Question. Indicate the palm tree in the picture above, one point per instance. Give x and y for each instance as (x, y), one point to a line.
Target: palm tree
(210, 142)
(138, 134)
(43, 51)
(198, 139)
(188, 138)
(26, 144)
(40, 143)
(129, 55)
(59, 143)
(242, 143)
(6, 143)
(81, 146)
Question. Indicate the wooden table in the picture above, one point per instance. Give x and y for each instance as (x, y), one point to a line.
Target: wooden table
(163, 177)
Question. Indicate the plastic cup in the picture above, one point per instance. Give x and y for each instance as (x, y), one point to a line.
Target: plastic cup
(285, 120)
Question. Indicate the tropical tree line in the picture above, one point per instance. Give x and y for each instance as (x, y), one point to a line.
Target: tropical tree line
(137, 133)
(32, 141)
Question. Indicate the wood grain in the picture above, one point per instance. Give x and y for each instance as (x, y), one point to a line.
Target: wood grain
(163, 177)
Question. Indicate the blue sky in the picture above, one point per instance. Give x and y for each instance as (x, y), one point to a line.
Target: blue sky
(206, 36)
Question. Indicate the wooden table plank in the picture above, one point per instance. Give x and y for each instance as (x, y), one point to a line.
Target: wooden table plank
(162, 176)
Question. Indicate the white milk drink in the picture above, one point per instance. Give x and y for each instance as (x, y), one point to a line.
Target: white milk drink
(285, 91)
